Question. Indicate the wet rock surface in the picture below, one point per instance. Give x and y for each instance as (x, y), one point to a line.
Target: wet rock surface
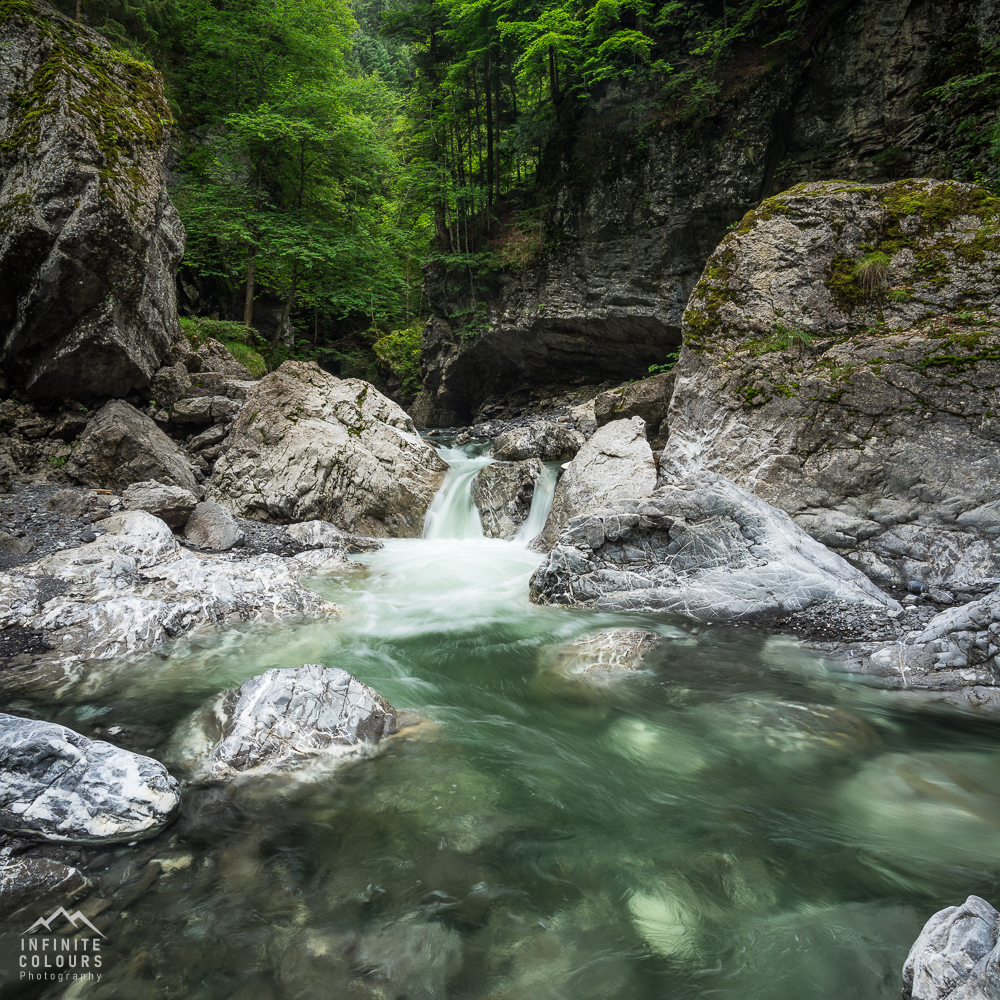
(286, 717)
(502, 492)
(705, 548)
(323, 535)
(90, 240)
(308, 445)
(606, 656)
(956, 956)
(58, 785)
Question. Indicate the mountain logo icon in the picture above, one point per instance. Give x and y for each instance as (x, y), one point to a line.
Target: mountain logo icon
(46, 923)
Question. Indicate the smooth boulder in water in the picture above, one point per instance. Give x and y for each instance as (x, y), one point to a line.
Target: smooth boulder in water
(956, 956)
(703, 548)
(58, 785)
(284, 717)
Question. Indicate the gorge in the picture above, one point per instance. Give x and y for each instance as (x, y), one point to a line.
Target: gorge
(650, 649)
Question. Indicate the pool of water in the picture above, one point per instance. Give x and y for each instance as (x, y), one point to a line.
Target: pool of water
(733, 821)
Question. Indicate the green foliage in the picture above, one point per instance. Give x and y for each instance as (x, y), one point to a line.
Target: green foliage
(400, 350)
(781, 339)
(899, 295)
(235, 337)
(668, 364)
(872, 271)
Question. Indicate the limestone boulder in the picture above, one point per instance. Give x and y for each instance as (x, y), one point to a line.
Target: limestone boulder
(308, 445)
(212, 527)
(703, 548)
(89, 240)
(171, 504)
(503, 492)
(544, 439)
(122, 446)
(956, 956)
(57, 785)
(840, 362)
(615, 464)
(286, 717)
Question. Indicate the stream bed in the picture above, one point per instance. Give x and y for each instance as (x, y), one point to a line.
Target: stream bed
(733, 821)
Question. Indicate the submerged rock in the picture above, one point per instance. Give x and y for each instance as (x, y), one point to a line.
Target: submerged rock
(544, 439)
(89, 240)
(172, 504)
(32, 885)
(840, 363)
(956, 956)
(286, 717)
(57, 785)
(122, 446)
(606, 656)
(615, 464)
(503, 492)
(136, 587)
(706, 549)
(310, 445)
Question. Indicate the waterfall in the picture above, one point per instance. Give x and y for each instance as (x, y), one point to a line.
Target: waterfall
(453, 514)
(541, 503)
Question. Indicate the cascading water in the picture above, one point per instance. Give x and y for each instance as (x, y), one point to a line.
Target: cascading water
(731, 822)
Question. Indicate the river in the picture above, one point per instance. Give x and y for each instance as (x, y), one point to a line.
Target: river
(733, 821)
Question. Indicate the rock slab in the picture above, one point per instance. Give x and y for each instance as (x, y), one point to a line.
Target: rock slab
(308, 445)
(89, 240)
(212, 527)
(172, 504)
(58, 785)
(615, 464)
(544, 439)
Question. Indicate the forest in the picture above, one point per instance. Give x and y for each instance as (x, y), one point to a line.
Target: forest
(327, 152)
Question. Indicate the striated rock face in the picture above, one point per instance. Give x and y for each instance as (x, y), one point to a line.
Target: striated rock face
(956, 956)
(865, 407)
(503, 492)
(122, 446)
(631, 231)
(703, 548)
(89, 241)
(285, 717)
(57, 785)
(308, 445)
(615, 464)
(134, 588)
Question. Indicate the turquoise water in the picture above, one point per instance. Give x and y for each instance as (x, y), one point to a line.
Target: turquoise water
(733, 821)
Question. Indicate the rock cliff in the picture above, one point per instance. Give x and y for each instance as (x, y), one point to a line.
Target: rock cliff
(89, 240)
(635, 213)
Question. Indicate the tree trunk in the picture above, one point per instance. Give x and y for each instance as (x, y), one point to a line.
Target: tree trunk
(496, 168)
(286, 312)
(489, 142)
(553, 81)
(79, 11)
(248, 302)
